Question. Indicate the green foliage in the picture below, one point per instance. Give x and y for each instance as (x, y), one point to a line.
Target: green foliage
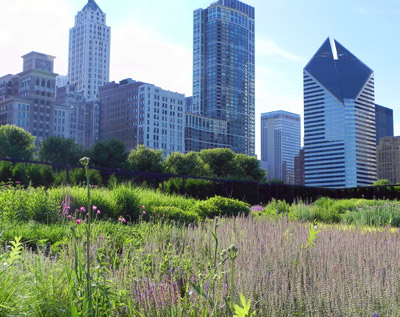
(146, 160)
(19, 173)
(19, 204)
(5, 171)
(243, 311)
(16, 143)
(275, 208)
(173, 213)
(188, 164)
(78, 177)
(111, 153)
(220, 161)
(220, 206)
(247, 168)
(380, 214)
(382, 182)
(55, 149)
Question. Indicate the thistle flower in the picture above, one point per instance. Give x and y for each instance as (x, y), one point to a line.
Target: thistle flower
(84, 161)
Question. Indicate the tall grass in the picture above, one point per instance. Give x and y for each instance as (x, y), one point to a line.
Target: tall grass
(147, 267)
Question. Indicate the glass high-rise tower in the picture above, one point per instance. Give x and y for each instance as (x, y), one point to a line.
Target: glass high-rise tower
(223, 70)
(280, 143)
(339, 119)
(89, 51)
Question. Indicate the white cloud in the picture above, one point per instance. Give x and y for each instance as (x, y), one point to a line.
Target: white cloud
(268, 48)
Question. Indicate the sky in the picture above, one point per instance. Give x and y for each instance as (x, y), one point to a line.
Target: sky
(151, 41)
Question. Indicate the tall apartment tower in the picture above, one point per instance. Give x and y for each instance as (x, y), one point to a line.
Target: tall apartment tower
(339, 119)
(89, 51)
(384, 122)
(280, 143)
(223, 70)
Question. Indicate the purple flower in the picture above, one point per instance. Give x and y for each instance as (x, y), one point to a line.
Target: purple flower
(257, 208)
(78, 221)
(82, 209)
(122, 219)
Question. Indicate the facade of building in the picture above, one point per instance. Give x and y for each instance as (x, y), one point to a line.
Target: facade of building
(204, 133)
(223, 70)
(79, 124)
(299, 168)
(89, 51)
(388, 159)
(384, 122)
(139, 113)
(280, 143)
(339, 119)
(27, 99)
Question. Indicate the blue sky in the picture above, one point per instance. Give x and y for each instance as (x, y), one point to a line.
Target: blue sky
(152, 41)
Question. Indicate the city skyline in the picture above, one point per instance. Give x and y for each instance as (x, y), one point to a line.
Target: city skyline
(152, 46)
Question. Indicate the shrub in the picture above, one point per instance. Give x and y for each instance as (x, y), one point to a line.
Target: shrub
(275, 207)
(19, 173)
(220, 206)
(5, 171)
(78, 177)
(381, 214)
(174, 213)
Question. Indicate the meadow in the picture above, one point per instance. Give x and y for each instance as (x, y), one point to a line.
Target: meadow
(152, 254)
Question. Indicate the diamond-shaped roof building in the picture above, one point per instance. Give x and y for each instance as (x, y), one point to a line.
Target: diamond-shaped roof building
(91, 5)
(338, 70)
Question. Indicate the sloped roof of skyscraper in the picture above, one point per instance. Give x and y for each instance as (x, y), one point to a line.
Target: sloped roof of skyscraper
(338, 70)
(91, 5)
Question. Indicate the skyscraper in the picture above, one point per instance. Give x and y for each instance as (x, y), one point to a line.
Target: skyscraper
(339, 119)
(384, 122)
(223, 70)
(280, 143)
(89, 51)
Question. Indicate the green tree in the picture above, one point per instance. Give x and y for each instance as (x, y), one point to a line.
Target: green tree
(59, 150)
(188, 164)
(247, 168)
(382, 182)
(220, 161)
(16, 143)
(111, 153)
(146, 160)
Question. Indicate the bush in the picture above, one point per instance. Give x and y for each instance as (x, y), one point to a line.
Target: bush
(276, 208)
(174, 213)
(220, 206)
(78, 177)
(381, 214)
(5, 171)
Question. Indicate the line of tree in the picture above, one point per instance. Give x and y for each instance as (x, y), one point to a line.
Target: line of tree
(17, 143)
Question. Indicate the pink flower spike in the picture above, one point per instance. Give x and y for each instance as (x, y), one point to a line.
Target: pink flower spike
(83, 209)
(144, 212)
(78, 221)
(69, 216)
(94, 208)
(143, 207)
(98, 211)
(122, 219)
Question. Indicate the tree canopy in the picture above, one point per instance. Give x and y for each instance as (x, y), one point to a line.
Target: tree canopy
(189, 164)
(16, 143)
(59, 150)
(146, 160)
(111, 153)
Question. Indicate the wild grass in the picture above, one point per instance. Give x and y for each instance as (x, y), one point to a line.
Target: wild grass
(147, 267)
